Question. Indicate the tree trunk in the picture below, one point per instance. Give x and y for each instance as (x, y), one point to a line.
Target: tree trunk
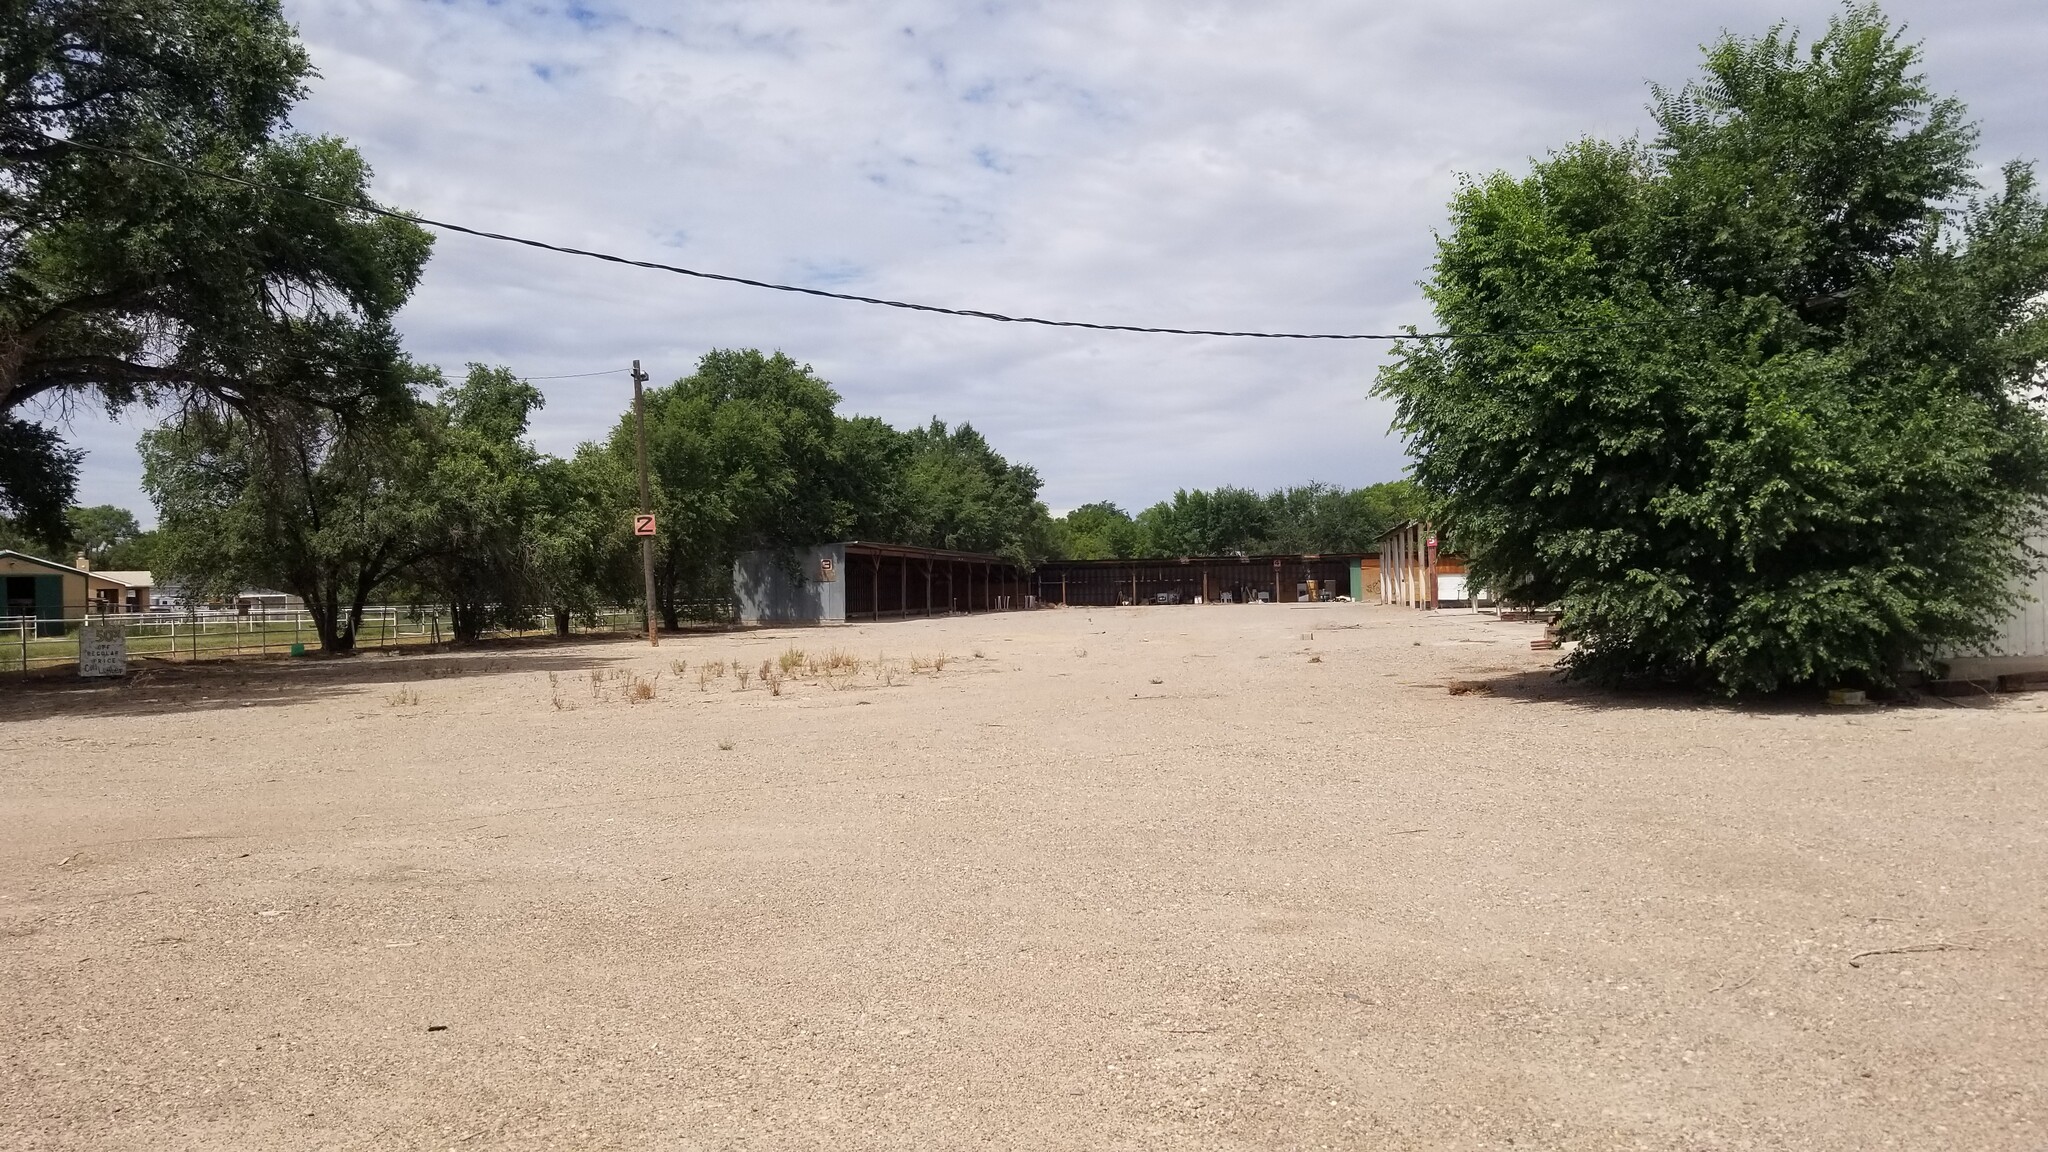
(561, 622)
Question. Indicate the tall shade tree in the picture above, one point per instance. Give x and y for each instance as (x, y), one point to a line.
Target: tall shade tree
(741, 452)
(478, 502)
(963, 494)
(1202, 522)
(580, 551)
(330, 510)
(125, 281)
(99, 531)
(1099, 531)
(1792, 442)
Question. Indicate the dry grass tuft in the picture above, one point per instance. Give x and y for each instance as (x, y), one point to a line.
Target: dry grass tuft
(774, 682)
(642, 687)
(790, 660)
(1316, 659)
(1469, 687)
(703, 677)
(403, 698)
(939, 663)
(679, 666)
(725, 745)
(745, 674)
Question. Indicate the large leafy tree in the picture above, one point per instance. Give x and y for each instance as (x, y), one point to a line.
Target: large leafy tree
(103, 532)
(1207, 522)
(479, 501)
(1787, 429)
(741, 452)
(580, 552)
(125, 281)
(963, 494)
(331, 510)
(1099, 531)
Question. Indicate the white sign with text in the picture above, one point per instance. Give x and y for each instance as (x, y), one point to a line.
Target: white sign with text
(102, 650)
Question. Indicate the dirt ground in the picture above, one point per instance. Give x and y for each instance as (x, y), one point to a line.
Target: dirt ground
(1187, 877)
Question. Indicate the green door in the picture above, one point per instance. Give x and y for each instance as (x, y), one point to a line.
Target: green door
(49, 606)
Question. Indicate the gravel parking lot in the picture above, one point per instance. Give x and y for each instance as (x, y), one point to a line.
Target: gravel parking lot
(1201, 877)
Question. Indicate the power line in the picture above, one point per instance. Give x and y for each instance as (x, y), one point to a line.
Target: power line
(878, 301)
(578, 375)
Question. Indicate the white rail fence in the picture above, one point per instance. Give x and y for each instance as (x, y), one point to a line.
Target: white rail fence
(28, 642)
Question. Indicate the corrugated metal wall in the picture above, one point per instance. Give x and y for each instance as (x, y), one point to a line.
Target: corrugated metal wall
(764, 590)
(2026, 633)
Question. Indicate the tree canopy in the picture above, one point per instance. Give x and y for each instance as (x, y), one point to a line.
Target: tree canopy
(1787, 427)
(749, 452)
(1307, 519)
(125, 281)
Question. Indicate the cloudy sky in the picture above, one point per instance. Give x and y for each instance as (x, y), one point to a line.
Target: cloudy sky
(1276, 165)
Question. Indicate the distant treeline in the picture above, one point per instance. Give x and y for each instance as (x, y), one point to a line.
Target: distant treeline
(1312, 518)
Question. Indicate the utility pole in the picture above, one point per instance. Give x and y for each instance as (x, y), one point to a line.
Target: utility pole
(646, 506)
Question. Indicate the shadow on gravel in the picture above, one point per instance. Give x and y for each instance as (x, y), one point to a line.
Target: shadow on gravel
(1549, 687)
(159, 687)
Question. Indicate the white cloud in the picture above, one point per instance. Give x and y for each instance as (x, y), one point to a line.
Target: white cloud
(1278, 165)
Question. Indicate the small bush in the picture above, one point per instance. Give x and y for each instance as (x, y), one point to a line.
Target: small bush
(790, 660)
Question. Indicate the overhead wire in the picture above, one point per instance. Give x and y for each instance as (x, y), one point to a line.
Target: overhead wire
(579, 375)
(798, 289)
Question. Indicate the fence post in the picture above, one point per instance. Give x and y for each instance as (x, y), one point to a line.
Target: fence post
(24, 647)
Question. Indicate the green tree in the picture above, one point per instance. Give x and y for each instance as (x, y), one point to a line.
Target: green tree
(1202, 522)
(1792, 443)
(478, 501)
(1099, 531)
(869, 496)
(580, 548)
(963, 494)
(98, 531)
(124, 281)
(304, 501)
(741, 453)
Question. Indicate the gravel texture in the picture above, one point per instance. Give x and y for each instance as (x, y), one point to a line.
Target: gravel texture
(1186, 877)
